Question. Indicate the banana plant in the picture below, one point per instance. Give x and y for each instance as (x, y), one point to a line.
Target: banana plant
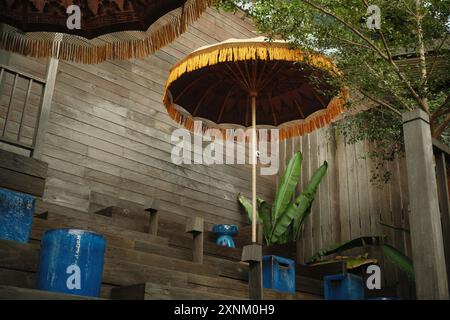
(283, 222)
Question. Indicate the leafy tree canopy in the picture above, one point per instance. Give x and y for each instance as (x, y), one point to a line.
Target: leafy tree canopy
(401, 66)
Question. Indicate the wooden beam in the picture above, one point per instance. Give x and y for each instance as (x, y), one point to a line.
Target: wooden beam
(22, 164)
(44, 114)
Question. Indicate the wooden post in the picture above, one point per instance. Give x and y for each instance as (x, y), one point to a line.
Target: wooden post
(253, 255)
(195, 227)
(254, 205)
(425, 221)
(152, 207)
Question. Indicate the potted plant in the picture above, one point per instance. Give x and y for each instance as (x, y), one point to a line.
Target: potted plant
(282, 223)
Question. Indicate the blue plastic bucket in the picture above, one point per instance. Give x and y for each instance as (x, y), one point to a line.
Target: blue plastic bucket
(278, 273)
(16, 214)
(71, 262)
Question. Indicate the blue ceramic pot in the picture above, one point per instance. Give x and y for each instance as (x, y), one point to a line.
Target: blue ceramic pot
(71, 262)
(225, 234)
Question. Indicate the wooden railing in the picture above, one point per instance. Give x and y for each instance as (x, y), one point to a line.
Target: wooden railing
(12, 128)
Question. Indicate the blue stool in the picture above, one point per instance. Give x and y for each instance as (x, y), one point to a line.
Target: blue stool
(71, 262)
(16, 214)
(278, 273)
(225, 234)
(343, 287)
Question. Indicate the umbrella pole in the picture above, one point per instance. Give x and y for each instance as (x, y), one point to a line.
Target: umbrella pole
(254, 146)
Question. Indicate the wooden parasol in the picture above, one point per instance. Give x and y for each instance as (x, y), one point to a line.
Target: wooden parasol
(255, 83)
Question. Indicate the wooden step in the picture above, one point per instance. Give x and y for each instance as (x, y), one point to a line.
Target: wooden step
(113, 233)
(118, 272)
(151, 291)
(15, 293)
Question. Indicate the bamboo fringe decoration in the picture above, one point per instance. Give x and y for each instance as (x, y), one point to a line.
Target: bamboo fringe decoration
(297, 128)
(121, 50)
(235, 52)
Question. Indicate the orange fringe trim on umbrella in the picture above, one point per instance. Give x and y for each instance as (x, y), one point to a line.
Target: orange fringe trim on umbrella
(233, 52)
(122, 50)
(289, 130)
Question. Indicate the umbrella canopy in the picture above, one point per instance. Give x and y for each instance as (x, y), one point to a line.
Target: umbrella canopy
(293, 88)
(258, 83)
(116, 29)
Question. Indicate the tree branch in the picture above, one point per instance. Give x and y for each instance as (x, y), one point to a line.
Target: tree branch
(423, 61)
(441, 110)
(404, 105)
(380, 102)
(397, 70)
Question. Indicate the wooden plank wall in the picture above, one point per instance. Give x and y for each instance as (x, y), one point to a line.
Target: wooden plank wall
(348, 204)
(108, 137)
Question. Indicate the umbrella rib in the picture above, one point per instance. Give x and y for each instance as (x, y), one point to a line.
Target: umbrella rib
(319, 98)
(249, 77)
(236, 77)
(270, 76)
(204, 97)
(222, 108)
(261, 74)
(190, 85)
(299, 108)
(244, 79)
(273, 109)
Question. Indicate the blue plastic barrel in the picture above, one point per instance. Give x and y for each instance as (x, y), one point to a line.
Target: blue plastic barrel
(343, 287)
(71, 262)
(16, 214)
(278, 273)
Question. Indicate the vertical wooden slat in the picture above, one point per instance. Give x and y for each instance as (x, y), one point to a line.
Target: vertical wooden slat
(315, 210)
(11, 98)
(343, 189)
(325, 228)
(363, 188)
(333, 190)
(30, 84)
(307, 232)
(355, 223)
(444, 204)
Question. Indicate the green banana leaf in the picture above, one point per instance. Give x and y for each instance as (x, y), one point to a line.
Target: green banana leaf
(247, 205)
(264, 216)
(306, 198)
(282, 224)
(399, 259)
(298, 209)
(286, 189)
(335, 248)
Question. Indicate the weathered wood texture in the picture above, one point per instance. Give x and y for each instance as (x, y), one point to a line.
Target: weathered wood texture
(109, 136)
(22, 174)
(348, 204)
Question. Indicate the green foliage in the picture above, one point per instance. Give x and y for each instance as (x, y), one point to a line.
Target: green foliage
(389, 87)
(283, 223)
(393, 255)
